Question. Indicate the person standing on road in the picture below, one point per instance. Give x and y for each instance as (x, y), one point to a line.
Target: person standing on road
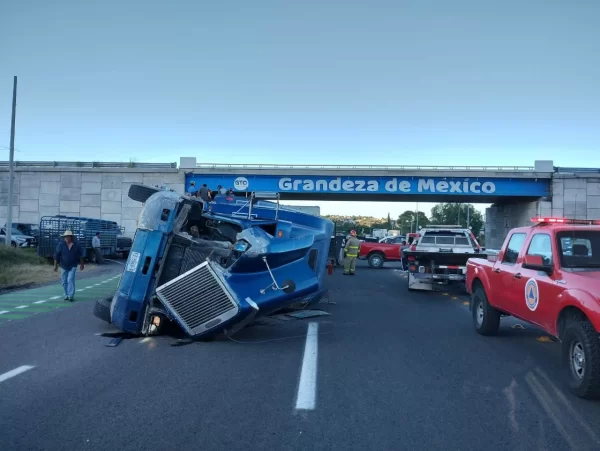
(67, 255)
(351, 249)
(97, 249)
(403, 260)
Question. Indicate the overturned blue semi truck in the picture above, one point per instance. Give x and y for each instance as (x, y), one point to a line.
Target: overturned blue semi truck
(211, 268)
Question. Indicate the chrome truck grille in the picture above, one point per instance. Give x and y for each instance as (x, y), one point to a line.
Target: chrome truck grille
(198, 299)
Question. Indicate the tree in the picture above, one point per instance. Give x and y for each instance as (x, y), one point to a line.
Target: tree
(389, 222)
(455, 213)
(407, 221)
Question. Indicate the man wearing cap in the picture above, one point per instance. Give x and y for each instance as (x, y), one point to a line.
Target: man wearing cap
(67, 255)
(351, 249)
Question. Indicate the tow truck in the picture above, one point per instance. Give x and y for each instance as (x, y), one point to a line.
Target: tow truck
(213, 267)
(439, 255)
(548, 275)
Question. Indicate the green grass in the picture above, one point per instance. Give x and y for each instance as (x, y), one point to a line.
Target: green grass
(19, 267)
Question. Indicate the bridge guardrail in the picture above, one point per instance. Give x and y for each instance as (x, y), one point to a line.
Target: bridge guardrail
(369, 166)
(88, 164)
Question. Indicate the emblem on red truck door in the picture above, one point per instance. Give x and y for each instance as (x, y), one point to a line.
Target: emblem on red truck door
(532, 294)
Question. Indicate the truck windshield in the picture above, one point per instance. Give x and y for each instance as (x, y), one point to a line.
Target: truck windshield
(579, 248)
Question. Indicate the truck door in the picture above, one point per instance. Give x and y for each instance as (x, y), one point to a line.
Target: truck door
(536, 292)
(503, 274)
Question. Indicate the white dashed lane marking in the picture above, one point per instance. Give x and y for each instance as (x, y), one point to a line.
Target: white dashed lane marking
(15, 372)
(307, 388)
(58, 297)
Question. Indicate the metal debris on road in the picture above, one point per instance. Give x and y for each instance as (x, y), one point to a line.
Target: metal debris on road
(114, 342)
(281, 317)
(326, 299)
(303, 314)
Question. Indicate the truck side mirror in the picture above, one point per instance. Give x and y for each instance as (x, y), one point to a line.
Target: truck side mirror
(536, 262)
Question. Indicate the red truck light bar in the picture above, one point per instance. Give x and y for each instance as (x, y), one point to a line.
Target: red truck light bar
(565, 221)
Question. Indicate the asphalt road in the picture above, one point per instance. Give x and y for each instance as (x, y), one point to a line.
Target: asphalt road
(387, 370)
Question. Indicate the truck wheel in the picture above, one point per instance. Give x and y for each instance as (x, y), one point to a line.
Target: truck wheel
(581, 355)
(485, 317)
(376, 260)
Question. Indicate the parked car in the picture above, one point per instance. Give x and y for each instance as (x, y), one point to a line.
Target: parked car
(17, 238)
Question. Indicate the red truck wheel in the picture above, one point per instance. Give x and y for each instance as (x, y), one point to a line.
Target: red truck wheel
(581, 355)
(376, 260)
(485, 317)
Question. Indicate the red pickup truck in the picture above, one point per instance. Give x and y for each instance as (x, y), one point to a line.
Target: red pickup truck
(547, 275)
(387, 250)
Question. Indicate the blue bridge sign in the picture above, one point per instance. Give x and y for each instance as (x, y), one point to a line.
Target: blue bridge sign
(440, 186)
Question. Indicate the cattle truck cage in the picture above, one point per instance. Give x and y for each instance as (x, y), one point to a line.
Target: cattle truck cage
(84, 229)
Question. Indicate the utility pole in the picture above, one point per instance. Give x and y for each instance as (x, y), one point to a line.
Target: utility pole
(468, 215)
(417, 227)
(11, 169)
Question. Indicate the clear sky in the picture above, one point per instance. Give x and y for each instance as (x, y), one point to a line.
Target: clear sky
(383, 82)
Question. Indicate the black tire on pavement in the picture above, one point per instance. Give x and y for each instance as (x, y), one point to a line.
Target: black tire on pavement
(102, 309)
(581, 344)
(141, 193)
(486, 318)
(376, 260)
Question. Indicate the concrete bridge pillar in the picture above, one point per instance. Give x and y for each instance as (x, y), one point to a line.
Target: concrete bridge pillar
(574, 195)
(500, 218)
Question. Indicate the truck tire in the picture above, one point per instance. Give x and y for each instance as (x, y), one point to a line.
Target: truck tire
(486, 318)
(581, 356)
(376, 260)
(102, 309)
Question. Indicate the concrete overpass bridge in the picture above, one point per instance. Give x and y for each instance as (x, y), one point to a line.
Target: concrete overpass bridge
(473, 184)
(99, 189)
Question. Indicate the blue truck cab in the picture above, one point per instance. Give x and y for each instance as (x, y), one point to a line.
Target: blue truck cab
(213, 267)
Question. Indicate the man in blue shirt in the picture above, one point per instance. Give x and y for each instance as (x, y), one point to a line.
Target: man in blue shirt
(67, 255)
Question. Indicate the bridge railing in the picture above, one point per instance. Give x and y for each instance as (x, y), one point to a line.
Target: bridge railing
(89, 164)
(369, 166)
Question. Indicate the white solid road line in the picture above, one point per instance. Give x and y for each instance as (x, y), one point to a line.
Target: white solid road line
(307, 389)
(3, 312)
(15, 372)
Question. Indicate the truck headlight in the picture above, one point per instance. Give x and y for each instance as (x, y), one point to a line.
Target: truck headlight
(241, 246)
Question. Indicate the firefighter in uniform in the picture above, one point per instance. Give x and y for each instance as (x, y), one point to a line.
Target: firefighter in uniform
(351, 250)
